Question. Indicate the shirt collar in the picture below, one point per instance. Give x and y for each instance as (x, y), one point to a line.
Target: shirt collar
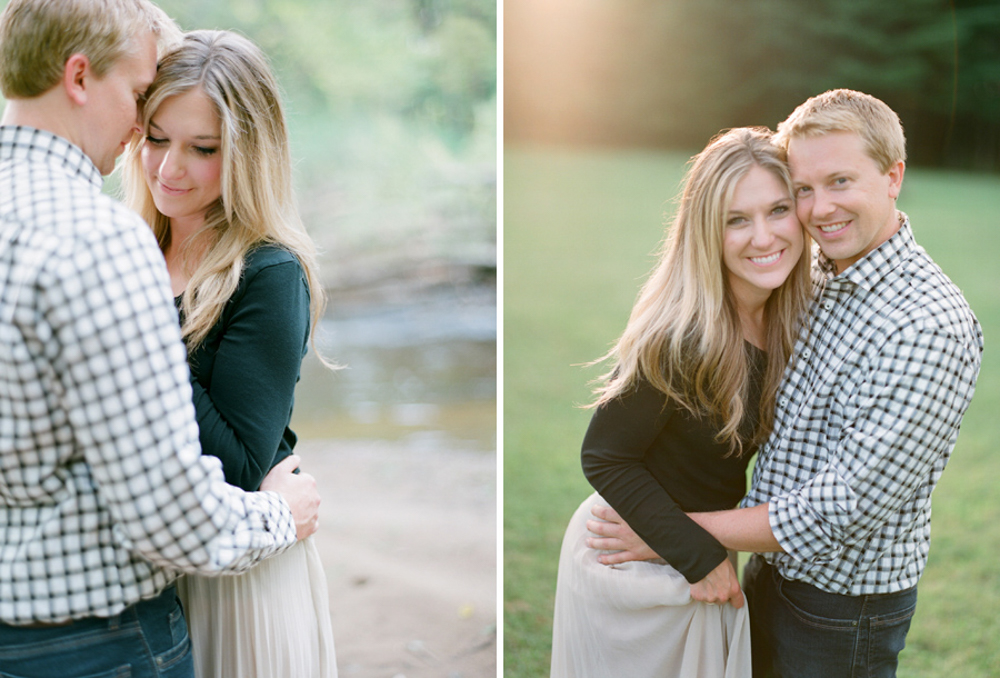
(18, 142)
(870, 269)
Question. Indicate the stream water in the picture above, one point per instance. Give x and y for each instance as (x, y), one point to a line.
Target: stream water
(422, 370)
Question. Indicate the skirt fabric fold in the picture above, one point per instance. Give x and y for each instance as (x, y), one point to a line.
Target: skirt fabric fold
(638, 619)
(270, 622)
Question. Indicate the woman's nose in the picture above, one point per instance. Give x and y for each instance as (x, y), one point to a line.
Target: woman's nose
(171, 165)
(762, 234)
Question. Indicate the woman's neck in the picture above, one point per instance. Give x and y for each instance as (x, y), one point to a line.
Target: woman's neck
(752, 321)
(182, 260)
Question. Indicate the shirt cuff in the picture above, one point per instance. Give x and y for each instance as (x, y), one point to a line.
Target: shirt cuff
(277, 519)
(798, 530)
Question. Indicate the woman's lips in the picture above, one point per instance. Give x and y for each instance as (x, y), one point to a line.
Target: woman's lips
(169, 190)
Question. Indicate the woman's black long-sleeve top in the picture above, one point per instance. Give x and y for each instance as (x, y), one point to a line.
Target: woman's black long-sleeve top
(244, 373)
(652, 461)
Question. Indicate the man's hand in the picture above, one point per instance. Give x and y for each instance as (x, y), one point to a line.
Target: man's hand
(299, 490)
(614, 534)
(718, 586)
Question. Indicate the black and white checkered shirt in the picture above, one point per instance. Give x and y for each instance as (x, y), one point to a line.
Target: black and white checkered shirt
(867, 416)
(104, 493)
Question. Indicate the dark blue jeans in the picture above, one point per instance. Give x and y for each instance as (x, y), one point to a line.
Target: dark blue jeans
(147, 640)
(800, 631)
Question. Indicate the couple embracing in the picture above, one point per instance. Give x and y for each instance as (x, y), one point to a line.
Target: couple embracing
(149, 356)
(848, 373)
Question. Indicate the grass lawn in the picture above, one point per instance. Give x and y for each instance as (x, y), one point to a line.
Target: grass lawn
(580, 233)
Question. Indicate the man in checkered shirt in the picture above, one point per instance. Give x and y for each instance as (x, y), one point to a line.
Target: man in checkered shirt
(104, 494)
(867, 416)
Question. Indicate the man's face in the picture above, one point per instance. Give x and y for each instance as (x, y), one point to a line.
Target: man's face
(842, 197)
(112, 112)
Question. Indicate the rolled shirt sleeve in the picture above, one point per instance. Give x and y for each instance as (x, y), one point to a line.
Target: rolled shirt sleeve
(904, 422)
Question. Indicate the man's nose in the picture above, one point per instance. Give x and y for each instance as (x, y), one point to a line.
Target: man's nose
(822, 204)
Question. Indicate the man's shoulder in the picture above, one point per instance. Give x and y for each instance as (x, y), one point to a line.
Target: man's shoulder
(922, 284)
(63, 205)
(923, 298)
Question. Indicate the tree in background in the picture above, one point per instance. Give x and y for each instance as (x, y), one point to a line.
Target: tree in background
(671, 73)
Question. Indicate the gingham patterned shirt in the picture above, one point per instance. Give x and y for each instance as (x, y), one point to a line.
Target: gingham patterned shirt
(104, 493)
(867, 416)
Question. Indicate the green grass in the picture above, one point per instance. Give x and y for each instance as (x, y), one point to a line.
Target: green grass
(580, 233)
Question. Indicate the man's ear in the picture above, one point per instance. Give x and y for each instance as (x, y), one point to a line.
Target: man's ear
(76, 78)
(896, 178)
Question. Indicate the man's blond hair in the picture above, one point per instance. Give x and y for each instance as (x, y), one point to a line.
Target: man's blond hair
(845, 110)
(38, 36)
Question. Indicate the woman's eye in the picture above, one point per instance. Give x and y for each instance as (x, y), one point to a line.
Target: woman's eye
(154, 141)
(202, 150)
(736, 222)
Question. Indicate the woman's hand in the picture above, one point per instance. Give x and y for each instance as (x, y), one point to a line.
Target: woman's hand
(718, 586)
(614, 534)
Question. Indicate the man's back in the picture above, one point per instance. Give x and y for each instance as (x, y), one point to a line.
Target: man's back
(102, 487)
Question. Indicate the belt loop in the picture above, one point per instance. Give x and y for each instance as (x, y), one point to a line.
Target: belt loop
(115, 622)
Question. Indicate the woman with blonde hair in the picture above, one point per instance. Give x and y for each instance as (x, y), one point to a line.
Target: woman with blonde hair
(689, 395)
(212, 177)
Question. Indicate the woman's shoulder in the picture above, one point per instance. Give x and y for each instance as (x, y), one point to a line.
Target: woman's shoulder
(269, 270)
(266, 255)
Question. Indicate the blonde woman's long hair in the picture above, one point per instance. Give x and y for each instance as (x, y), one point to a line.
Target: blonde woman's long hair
(684, 335)
(257, 205)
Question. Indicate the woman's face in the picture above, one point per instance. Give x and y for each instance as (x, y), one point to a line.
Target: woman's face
(182, 157)
(763, 238)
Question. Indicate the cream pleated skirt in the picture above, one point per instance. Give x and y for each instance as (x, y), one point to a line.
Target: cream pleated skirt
(271, 622)
(638, 619)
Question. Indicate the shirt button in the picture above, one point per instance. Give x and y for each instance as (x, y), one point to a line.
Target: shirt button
(806, 352)
(828, 305)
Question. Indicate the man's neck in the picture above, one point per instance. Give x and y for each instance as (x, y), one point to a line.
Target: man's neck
(40, 112)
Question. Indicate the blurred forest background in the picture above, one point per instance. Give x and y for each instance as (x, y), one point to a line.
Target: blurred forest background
(672, 73)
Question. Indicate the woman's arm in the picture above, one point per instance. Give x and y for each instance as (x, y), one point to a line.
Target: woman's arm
(245, 400)
(620, 434)
(614, 534)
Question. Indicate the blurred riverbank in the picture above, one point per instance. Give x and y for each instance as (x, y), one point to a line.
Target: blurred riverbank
(408, 541)
(402, 442)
